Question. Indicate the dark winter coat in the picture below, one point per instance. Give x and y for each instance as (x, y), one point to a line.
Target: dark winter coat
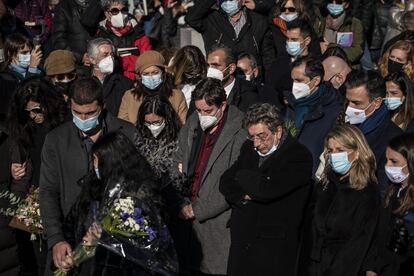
(9, 81)
(9, 264)
(216, 28)
(378, 141)
(265, 231)
(73, 26)
(395, 239)
(318, 121)
(114, 87)
(344, 225)
(64, 162)
(279, 76)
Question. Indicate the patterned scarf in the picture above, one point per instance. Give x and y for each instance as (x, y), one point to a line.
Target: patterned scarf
(281, 24)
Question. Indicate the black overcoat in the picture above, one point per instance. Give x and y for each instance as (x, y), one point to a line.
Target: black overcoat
(265, 231)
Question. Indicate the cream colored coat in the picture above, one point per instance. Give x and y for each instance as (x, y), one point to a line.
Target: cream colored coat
(130, 104)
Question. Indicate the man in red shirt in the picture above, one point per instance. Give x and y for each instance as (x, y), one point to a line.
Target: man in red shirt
(209, 144)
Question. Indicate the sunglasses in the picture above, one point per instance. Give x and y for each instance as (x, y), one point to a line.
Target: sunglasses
(115, 11)
(290, 9)
(35, 110)
(67, 76)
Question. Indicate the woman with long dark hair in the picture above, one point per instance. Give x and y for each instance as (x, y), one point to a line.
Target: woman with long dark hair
(119, 169)
(152, 78)
(158, 127)
(400, 100)
(396, 231)
(35, 109)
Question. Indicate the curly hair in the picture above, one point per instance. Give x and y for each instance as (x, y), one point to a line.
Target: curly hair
(263, 113)
(400, 45)
(52, 103)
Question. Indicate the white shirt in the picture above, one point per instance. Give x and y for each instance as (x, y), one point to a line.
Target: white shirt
(187, 89)
(229, 87)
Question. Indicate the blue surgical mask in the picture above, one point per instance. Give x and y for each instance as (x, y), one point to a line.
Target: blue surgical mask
(335, 9)
(152, 82)
(85, 125)
(393, 103)
(231, 7)
(293, 48)
(339, 162)
(97, 173)
(23, 60)
(288, 17)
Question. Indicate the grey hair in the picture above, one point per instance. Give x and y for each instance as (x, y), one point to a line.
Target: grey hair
(263, 113)
(93, 46)
(107, 3)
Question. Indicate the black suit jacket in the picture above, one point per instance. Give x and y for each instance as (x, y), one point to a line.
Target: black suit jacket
(265, 231)
(64, 162)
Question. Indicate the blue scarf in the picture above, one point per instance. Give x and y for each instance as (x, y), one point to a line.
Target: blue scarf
(372, 122)
(304, 105)
(18, 69)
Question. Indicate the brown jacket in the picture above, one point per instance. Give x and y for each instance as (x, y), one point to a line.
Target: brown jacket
(128, 110)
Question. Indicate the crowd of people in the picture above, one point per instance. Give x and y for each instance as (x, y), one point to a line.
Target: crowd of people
(286, 149)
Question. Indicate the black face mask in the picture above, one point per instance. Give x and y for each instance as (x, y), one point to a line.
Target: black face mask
(394, 66)
(63, 87)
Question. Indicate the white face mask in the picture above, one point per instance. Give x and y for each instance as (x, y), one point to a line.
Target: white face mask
(300, 90)
(395, 174)
(356, 116)
(215, 73)
(207, 121)
(118, 21)
(24, 60)
(155, 129)
(272, 150)
(106, 65)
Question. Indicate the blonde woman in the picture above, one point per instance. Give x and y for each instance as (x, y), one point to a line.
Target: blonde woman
(399, 57)
(346, 207)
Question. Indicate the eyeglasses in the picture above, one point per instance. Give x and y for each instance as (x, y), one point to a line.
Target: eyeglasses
(155, 123)
(35, 110)
(290, 9)
(115, 11)
(261, 137)
(67, 76)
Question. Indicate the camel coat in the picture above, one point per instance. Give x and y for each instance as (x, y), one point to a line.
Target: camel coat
(128, 110)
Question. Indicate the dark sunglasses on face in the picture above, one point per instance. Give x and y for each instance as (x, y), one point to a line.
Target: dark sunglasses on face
(290, 9)
(35, 110)
(115, 11)
(67, 76)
